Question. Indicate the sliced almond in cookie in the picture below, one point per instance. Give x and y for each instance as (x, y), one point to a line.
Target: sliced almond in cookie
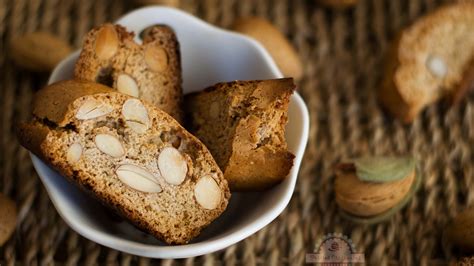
(92, 108)
(208, 194)
(138, 178)
(136, 115)
(107, 42)
(374, 187)
(156, 57)
(74, 153)
(127, 85)
(458, 232)
(173, 166)
(436, 66)
(109, 145)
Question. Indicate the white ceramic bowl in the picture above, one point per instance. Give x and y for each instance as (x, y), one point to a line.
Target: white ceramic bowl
(209, 55)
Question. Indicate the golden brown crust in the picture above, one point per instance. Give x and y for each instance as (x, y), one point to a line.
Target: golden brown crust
(245, 132)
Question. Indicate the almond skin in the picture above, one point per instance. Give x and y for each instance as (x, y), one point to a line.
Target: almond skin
(369, 198)
(460, 232)
(8, 215)
(38, 51)
(275, 42)
(138, 178)
(207, 193)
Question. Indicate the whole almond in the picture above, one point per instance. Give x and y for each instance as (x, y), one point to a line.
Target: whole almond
(460, 232)
(8, 217)
(107, 42)
(274, 41)
(38, 51)
(466, 84)
(365, 199)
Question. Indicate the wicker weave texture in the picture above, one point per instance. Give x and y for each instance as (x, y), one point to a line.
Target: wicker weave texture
(343, 53)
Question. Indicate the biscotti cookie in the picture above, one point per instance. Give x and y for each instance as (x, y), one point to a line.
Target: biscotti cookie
(243, 125)
(151, 71)
(430, 60)
(130, 155)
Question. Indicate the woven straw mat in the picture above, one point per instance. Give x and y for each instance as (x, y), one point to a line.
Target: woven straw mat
(343, 53)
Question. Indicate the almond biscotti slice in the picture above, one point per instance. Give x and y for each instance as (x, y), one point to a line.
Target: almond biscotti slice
(243, 125)
(150, 71)
(431, 59)
(130, 155)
